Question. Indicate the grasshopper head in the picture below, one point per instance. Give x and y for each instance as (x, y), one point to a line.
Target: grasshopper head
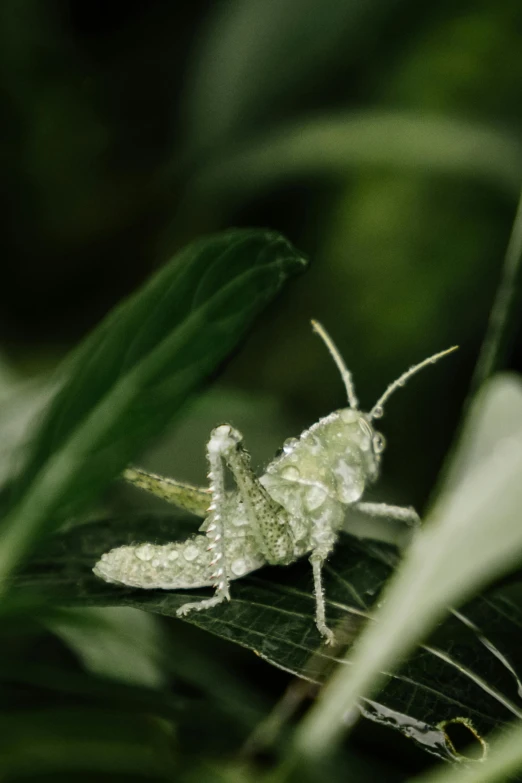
(360, 431)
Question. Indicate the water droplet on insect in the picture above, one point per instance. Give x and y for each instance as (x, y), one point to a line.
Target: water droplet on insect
(190, 552)
(351, 494)
(365, 444)
(145, 552)
(315, 498)
(155, 563)
(379, 443)
(238, 567)
(291, 473)
(173, 555)
(289, 445)
(378, 412)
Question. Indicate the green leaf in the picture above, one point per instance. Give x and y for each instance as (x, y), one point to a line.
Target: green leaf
(129, 377)
(255, 54)
(471, 537)
(115, 642)
(333, 146)
(500, 414)
(504, 760)
(458, 675)
(99, 740)
(21, 405)
(46, 682)
(504, 319)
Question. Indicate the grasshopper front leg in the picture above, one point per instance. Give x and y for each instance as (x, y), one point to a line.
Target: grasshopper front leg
(217, 450)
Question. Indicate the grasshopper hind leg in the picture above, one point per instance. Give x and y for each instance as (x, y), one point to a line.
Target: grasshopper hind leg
(218, 447)
(259, 511)
(192, 499)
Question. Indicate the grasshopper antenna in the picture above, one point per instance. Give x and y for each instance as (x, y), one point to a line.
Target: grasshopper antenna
(336, 356)
(377, 410)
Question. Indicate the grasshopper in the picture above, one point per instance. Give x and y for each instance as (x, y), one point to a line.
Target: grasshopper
(297, 507)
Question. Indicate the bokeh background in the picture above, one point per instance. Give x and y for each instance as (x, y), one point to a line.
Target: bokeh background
(382, 137)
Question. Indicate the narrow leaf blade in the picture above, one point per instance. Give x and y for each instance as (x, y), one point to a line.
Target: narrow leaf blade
(463, 673)
(126, 381)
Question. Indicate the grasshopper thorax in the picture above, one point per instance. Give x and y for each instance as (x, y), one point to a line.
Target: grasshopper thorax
(329, 466)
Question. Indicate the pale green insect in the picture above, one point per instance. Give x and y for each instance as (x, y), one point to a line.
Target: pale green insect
(296, 507)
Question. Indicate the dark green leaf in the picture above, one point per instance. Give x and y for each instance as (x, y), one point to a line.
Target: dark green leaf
(119, 643)
(98, 740)
(127, 380)
(256, 54)
(332, 147)
(467, 670)
(71, 688)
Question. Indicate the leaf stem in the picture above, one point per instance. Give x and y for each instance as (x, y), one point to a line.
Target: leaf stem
(505, 313)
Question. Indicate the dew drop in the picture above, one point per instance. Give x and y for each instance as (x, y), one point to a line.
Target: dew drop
(365, 444)
(190, 552)
(289, 445)
(173, 555)
(145, 552)
(238, 567)
(155, 563)
(315, 498)
(379, 443)
(348, 416)
(290, 473)
(378, 412)
(351, 494)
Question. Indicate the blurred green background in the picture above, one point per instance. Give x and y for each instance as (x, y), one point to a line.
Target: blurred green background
(382, 137)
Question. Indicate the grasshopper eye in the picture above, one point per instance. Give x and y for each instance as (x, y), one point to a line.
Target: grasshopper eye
(379, 443)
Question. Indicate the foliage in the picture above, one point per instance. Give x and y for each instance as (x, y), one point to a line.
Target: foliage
(383, 138)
